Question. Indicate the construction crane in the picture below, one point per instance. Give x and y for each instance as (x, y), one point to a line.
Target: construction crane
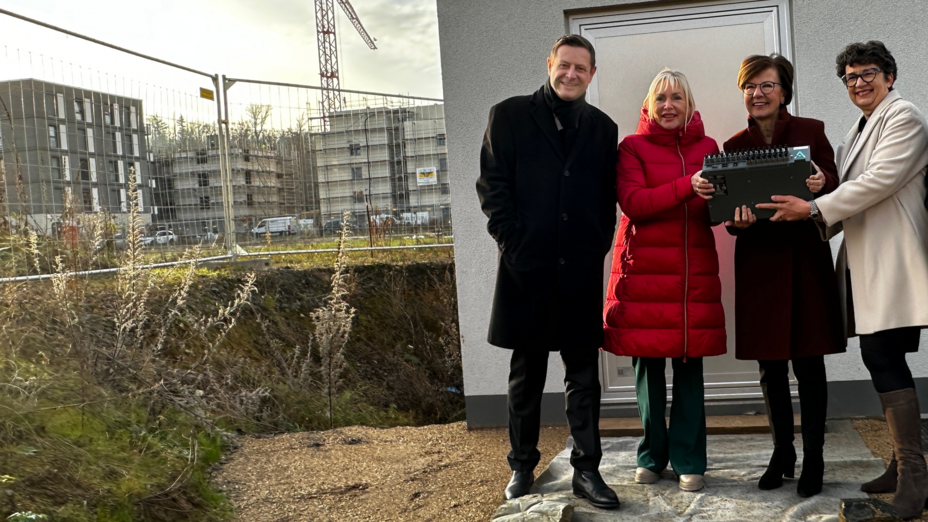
(328, 51)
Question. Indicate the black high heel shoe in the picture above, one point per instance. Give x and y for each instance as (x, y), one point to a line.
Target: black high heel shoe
(782, 464)
(810, 480)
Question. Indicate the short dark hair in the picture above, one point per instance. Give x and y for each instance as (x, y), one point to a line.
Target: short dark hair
(575, 40)
(758, 63)
(866, 53)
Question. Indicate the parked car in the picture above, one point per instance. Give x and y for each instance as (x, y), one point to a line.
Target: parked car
(208, 238)
(278, 225)
(333, 227)
(162, 237)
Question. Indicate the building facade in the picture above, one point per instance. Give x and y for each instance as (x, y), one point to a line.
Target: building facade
(64, 146)
(501, 47)
(393, 159)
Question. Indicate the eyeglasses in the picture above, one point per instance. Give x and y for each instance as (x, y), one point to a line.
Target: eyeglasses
(765, 87)
(868, 75)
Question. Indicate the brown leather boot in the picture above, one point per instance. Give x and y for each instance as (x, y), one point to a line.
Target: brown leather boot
(904, 421)
(885, 483)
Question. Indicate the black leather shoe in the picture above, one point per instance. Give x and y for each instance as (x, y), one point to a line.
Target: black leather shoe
(591, 486)
(519, 484)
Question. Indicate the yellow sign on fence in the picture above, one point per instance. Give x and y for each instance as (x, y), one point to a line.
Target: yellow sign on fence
(206, 93)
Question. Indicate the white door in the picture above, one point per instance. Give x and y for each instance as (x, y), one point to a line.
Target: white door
(707, 42)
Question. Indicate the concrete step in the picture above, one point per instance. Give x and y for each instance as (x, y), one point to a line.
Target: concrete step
(716, 425)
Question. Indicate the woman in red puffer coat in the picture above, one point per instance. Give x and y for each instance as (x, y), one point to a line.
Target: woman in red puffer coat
(664, 295)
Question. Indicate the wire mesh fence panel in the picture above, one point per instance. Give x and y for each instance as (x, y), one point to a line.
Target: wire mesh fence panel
(82, 126)
(379, 160)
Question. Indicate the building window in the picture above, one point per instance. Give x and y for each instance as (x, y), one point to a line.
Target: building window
(55, 162)
(204, 202)
(202, 157)
(60, 105)
(79, 110)
(202, 179)
(442, 163)
(441, 139)
(107, 115)
(354, 149)
(246, 155)
(112, 171)
(52, 137)
(359, 196)
(250, 200)
(81, 139)
(446, 188)
(90, 144)
(88, 110)
(84, 168)
(87, 197)
(135, 144)
(50, 110)
(356, 173)
(63, 136)
(133, 118)
(248, 177)
(115, 202)
(117, 142)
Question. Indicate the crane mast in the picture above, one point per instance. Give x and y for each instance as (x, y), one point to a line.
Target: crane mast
(328, 51)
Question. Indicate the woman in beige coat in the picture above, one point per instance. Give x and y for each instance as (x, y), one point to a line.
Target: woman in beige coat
(883, 263)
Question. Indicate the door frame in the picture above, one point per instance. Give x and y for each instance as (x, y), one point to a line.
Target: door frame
(775, 14)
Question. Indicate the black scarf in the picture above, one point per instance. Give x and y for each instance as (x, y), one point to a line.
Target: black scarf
(567, 112)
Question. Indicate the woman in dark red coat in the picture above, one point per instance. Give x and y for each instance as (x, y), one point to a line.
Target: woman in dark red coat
(786, 296)
(664, 295)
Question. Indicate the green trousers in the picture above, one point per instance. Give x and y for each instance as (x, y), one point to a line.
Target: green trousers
(683, 445)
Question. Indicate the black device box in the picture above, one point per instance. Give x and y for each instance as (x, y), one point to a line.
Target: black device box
(749, 177)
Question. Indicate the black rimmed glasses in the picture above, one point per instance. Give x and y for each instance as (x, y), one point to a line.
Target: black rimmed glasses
(867, 75)
(765, 87)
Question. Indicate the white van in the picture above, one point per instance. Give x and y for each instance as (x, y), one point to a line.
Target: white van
(278, 225)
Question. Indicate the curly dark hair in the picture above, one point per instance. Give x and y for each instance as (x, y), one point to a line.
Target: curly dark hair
(758, 63)
(866, 53)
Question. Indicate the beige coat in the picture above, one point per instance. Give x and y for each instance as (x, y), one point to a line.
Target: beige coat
(880, 207)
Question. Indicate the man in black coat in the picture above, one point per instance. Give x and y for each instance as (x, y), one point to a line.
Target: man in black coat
(547, 185)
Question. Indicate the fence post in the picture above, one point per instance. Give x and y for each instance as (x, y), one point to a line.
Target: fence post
(225, 170)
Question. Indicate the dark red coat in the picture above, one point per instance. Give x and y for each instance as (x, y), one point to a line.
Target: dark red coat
(664, 297)
(786, 294)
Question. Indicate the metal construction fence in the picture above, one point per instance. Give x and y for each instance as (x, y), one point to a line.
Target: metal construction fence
(236, 166)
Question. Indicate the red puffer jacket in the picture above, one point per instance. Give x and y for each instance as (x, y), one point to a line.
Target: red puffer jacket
(664, 297)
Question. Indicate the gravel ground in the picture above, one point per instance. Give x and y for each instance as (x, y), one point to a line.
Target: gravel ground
(431, 473)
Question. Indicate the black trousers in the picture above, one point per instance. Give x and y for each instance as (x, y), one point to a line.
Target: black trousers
(813, 401)
(883, 354)
(527, 372)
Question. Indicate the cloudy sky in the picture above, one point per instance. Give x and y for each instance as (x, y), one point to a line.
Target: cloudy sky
(270, 40)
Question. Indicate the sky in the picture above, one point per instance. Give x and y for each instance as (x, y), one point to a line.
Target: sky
(269, 40)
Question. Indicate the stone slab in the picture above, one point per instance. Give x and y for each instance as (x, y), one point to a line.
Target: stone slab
(736, 463)
(535, 508)
(867, 510)
(715, 425)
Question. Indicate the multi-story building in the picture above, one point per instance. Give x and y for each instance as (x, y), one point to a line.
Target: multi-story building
(370, 161)
(61, 144)
(264, 184)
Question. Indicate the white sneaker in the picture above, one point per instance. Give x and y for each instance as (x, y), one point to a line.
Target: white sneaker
(692, 482)
(646, 476)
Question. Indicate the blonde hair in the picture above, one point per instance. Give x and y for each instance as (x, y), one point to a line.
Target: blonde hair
(674, 79)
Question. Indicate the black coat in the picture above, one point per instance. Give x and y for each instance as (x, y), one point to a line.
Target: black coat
(553, 216)
(786, 296)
